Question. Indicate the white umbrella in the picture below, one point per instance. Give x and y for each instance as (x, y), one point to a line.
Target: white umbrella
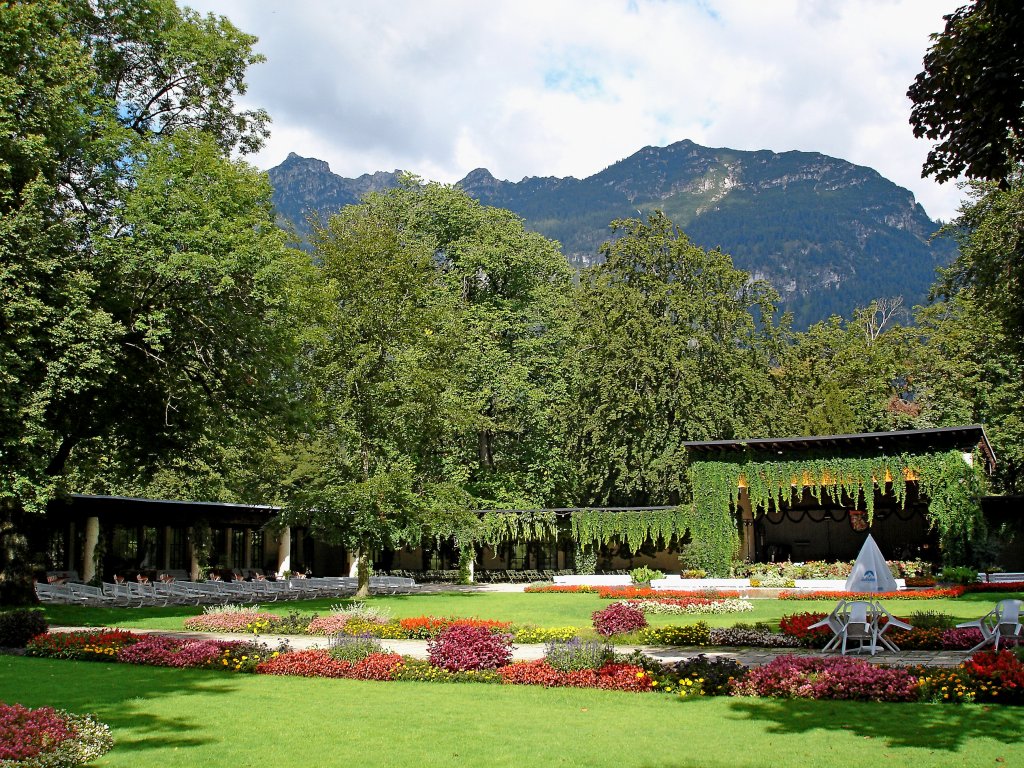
(870, 572)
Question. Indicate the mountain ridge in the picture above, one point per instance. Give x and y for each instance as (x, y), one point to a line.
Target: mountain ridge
(828, 234)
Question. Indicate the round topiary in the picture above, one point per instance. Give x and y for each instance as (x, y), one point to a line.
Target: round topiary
(462, 647)
(618, 619)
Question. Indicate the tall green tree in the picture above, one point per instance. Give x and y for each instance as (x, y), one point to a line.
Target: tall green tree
(970, 96)
(101, 104)
(842, 376)
(672, 344)
(389, 378)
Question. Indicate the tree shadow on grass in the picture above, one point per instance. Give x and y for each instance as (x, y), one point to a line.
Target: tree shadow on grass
(945, 727)
(120, 695)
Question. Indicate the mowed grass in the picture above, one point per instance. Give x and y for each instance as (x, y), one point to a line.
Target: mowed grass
(539, 609)
(164, 718)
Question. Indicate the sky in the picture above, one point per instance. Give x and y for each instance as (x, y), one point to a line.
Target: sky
(569, 87)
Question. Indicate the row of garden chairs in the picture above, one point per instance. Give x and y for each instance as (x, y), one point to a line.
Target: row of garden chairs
(182, 592)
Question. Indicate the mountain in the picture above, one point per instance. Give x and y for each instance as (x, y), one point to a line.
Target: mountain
(828, 234)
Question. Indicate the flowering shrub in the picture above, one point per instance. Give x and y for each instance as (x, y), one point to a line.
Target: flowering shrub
(463, 647)
(677, 634)
(525, 634)
(164, 651)
(50, 737)
(689, 606)
(835, 677)
(758, 637)
(19, 626)
(612, 676)
(577, 654)
(798, 625)
(917, 594)
(249, 620)
(423, 671)
(101, 644)
(618, 619)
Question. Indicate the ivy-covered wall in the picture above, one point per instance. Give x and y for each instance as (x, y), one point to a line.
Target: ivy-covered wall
(952, 486)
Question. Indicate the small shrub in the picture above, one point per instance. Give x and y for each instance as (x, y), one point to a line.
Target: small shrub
(464, 647)
(959, 574)
(931, 620)
(294, 623)
(644, 575)
(361, 610)
(617, 619)
(19, 626)
(354, 648)
(244, 657)
(694, 573)
(677, 634)
(577, 654)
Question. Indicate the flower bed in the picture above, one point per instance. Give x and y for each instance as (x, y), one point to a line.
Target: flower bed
(917, 594)
(688, 606)
(835, 677)
(101, 644)
(248, 621)
(50, 737)
(639, 593)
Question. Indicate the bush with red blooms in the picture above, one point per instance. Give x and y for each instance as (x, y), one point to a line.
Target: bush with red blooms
(830, 677)
(318, 663)
(612, 676)
(462, 647)
(426, 627)
(798, 625)
(999, 676)
(618, 619)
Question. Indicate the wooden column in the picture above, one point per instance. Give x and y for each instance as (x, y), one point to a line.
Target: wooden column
(229, 546)
(168, 546)
(747, 519)
(247, 560)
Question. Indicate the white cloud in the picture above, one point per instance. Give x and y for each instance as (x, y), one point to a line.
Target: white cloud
(530, 88)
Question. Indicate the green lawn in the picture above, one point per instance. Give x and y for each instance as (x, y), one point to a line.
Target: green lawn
(183, 718)
(545, 610)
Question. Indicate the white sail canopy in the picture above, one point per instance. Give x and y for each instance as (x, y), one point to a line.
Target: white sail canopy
(870, 572)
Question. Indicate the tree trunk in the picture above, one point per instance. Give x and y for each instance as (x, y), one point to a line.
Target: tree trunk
(16, 569)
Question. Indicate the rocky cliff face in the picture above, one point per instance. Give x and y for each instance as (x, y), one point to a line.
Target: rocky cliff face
(828, 234)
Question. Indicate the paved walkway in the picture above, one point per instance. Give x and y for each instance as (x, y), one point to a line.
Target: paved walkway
(750, 657)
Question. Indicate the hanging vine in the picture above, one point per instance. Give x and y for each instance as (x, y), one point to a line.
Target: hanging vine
(631, 527)
(952, 486)
(529, 525)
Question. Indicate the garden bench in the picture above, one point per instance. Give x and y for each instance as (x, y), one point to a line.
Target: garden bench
(1000, 578)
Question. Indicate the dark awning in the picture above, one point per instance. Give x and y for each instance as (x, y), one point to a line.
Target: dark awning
(968, 439)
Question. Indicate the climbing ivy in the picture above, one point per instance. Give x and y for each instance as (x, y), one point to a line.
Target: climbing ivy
(952, 486)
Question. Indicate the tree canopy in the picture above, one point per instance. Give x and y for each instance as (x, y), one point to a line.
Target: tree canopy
(970, 96)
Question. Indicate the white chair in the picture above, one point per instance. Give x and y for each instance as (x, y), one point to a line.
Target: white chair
(860, 625)
(999, 624)
(835, 622)
(891, 622)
